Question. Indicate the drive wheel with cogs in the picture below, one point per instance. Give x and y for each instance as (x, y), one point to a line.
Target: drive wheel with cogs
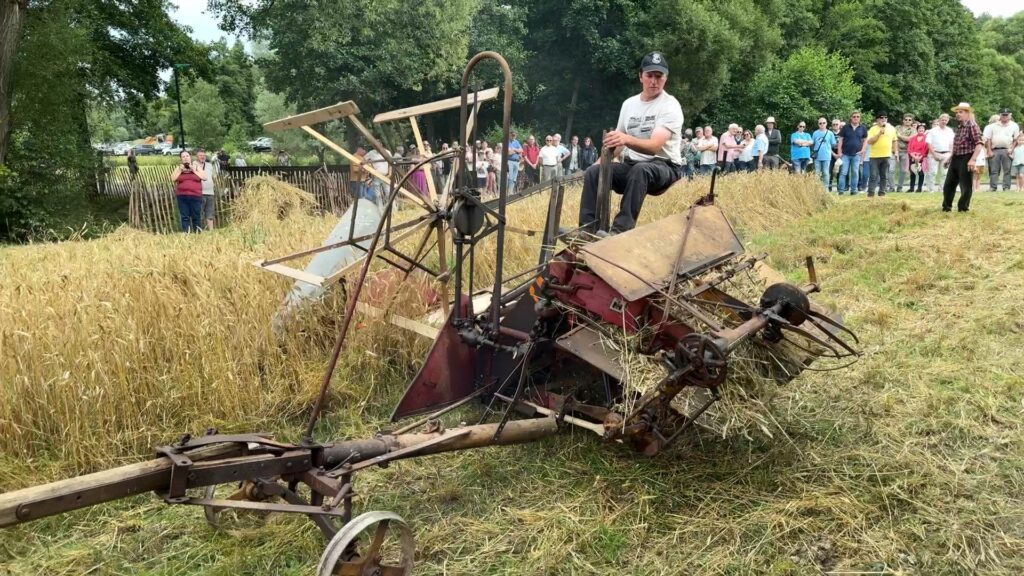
(388, 550)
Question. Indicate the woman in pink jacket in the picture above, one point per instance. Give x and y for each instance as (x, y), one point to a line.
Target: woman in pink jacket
(917, 149)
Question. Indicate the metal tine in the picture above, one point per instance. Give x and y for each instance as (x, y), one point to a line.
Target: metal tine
(833, 323)
(834, 338)
(815, 339)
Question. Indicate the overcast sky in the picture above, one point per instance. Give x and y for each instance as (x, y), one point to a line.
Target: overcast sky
(994, 7)
(193, 13)
(204, 27)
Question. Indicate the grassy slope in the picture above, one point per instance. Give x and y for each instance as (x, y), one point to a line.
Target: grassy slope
(909, 462)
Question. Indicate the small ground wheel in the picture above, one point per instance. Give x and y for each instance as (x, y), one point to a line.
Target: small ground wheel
(374, 543)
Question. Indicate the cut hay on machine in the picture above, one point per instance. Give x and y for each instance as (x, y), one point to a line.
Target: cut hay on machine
(536, 347)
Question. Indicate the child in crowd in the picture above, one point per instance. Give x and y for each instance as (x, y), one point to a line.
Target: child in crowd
(1018, 161)
(978, 168)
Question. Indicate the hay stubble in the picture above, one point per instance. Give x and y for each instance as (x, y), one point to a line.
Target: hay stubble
(908, 463)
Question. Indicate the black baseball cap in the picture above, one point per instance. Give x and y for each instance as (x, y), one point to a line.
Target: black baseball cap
(654, 62)
(881, 115)
(1004, 111)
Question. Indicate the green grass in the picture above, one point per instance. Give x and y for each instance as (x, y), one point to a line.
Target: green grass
(85, 216)
(910, 462)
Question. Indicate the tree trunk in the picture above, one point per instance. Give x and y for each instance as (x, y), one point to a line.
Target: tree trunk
(12, 18)
(572, 110)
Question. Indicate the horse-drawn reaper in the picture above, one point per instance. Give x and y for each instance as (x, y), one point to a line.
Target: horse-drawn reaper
(531, 347)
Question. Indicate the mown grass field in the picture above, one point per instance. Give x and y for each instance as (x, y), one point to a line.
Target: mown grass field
(909, 462)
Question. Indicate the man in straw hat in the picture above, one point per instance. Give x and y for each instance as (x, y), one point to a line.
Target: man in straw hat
(647, 138)
(966, 145)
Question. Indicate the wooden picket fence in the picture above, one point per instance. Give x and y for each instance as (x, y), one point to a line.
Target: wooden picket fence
(152, 205)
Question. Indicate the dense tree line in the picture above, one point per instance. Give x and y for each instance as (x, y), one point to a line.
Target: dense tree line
(75, 70)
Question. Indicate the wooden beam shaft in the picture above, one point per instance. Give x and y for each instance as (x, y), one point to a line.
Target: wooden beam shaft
(429, 169)
(335, 111)
(415, 197)
(446, 104)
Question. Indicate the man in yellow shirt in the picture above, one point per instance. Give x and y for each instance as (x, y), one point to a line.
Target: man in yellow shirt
(881, 139)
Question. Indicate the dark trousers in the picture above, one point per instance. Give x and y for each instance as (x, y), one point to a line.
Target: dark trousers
(879, 176)
(532, 175)
(190, 208)
(1000, 161)
(958, 173)
(634, 181)
(918, 178)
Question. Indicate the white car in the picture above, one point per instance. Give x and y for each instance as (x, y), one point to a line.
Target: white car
(263, 144)
(171, 151)
(122, 148)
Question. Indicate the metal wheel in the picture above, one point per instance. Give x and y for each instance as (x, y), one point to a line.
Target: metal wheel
(388, 552)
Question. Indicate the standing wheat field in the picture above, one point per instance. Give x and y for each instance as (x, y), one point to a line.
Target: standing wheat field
(909, 462)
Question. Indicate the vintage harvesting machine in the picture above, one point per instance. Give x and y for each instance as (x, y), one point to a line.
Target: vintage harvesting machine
(532, 347)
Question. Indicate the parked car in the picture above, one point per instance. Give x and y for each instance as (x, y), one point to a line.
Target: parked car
(121, 148)
(144, 149)
(172, 151)
(161, 146)
(263, 144)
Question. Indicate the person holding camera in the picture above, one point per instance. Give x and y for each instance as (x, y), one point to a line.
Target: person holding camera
(188, 189)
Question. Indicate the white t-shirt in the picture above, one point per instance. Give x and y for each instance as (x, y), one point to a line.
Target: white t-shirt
(709, 157)
(377, 162)
(206, 167)
(979, 160)
(481, 167)
(941, 139)
(747, 153)
(1001, 136)
(639, 119)
(549, 156)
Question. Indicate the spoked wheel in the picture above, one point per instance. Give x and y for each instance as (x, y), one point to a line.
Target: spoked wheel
(374, 543)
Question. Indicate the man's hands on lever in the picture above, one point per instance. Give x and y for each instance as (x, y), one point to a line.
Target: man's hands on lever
(650, 146)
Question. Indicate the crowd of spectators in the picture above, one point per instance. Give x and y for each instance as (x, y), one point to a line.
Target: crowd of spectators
(848, 156)
(851, 157)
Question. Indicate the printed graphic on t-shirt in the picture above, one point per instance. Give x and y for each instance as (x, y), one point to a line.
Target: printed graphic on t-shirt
(640, 125)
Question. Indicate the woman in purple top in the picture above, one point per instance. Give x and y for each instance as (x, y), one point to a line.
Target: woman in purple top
(419, 177)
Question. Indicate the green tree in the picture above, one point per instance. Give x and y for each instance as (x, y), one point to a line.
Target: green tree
(70, 55)
(47, 163)
(204, 115)
(1004, 35)
(808, 84)
(271, 106)
(722, 47)
(377, 51)
(107, 124)
(235, 77)
(584, 61)
(501, 26)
